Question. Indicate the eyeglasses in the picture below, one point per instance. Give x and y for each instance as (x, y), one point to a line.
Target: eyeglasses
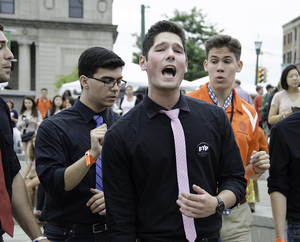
(120, 83)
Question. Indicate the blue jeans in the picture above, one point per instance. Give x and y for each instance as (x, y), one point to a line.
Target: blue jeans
(293, 231)
(55, 234)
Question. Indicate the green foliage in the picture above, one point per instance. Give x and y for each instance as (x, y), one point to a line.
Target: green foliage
(66, 78)
(138, 45)
(197, 32)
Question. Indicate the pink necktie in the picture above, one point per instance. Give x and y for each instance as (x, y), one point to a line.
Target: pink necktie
(181, 166)
(6, 219)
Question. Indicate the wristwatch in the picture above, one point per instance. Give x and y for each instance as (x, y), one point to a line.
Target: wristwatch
(220, 208)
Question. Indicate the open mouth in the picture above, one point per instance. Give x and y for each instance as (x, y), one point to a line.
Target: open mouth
(169, 71)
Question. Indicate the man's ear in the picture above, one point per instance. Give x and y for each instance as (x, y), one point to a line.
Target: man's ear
(205, 65)
(240, 66)
(143, 63)
(186, 66)
(84, 82)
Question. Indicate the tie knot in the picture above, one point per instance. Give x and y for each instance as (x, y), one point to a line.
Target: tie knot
(98, 120)
(172, 114)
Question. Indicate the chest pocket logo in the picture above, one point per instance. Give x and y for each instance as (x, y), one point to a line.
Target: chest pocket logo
(203, 149)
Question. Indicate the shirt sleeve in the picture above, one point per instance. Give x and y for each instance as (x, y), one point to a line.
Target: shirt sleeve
(119, 193)
(51, 160)
(276, 99)
(280, 156)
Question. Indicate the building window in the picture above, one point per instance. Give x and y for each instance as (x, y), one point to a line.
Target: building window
(295, 33)
(284, 40)
(7, 6)
(295, 57)
(76, 8)
(283, 58)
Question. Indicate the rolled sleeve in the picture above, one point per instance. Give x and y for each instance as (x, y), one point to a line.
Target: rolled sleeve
(51, 161)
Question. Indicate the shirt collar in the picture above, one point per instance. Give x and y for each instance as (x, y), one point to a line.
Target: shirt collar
(153, 108)
(215, 100)
(87, 113)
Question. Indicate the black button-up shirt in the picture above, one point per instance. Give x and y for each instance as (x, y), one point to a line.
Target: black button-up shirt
(61, 140)
(10, 162)
(139, 169)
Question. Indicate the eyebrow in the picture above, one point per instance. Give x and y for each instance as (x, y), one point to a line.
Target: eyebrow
(111, 78)
(225, 57)
(163, 43)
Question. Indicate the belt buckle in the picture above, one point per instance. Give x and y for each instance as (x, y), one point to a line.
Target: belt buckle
(97, 228)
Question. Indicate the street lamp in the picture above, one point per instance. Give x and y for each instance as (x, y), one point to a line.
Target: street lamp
(257, 48)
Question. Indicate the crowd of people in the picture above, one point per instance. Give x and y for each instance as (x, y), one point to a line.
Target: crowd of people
(173, 167)
(25, 125)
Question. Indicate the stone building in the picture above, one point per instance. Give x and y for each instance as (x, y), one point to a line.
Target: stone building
(291, 43)
(47, 37)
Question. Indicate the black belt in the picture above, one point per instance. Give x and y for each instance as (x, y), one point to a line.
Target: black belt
(293, 220)
(214, 237)
(93, 228)
(243, 201)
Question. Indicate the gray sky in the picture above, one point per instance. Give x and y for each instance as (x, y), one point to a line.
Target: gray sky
(245, 20)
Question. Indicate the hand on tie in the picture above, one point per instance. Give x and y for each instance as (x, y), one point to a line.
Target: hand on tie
(97, 202)
(97, 137)
(200, 205)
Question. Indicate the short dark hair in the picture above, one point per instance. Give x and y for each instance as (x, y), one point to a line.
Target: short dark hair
(161, 27)
(284, 74)
(44, 89)
(269, 86)
(258, 88)
(1, 27)
(222, 40)
(97, 57)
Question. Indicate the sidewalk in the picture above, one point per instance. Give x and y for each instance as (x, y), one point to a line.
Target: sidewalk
(20, 236)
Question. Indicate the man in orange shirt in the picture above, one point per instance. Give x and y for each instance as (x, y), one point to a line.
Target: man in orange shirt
(222, 63)
(43, 103)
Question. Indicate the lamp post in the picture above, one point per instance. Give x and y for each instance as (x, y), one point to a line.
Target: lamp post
(257, 48)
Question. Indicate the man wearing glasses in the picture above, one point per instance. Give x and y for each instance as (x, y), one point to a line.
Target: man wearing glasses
(68, 152)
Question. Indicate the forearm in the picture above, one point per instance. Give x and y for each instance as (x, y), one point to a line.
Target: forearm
(275, 118)
(75, 173)
(27, 170)
(21, 208)
(228, 198)
(278, 204)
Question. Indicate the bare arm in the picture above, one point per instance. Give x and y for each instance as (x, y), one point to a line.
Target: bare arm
(79, 167)
(274, 117)
(278, 204)
(21, 209)
(27, 169)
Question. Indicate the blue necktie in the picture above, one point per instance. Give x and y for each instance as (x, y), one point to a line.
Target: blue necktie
(99, 185)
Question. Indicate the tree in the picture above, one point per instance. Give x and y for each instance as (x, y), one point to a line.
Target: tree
(197, 32)
(136, 55)
(66, 78)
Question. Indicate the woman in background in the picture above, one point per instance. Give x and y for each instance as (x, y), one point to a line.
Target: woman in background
(14, 118)
(56, 107)
(29, 121)
(70, 101)
(283, 101)
(128, 101)
(66, 94)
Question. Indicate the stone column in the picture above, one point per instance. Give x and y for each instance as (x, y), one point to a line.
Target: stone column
(24, 65)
